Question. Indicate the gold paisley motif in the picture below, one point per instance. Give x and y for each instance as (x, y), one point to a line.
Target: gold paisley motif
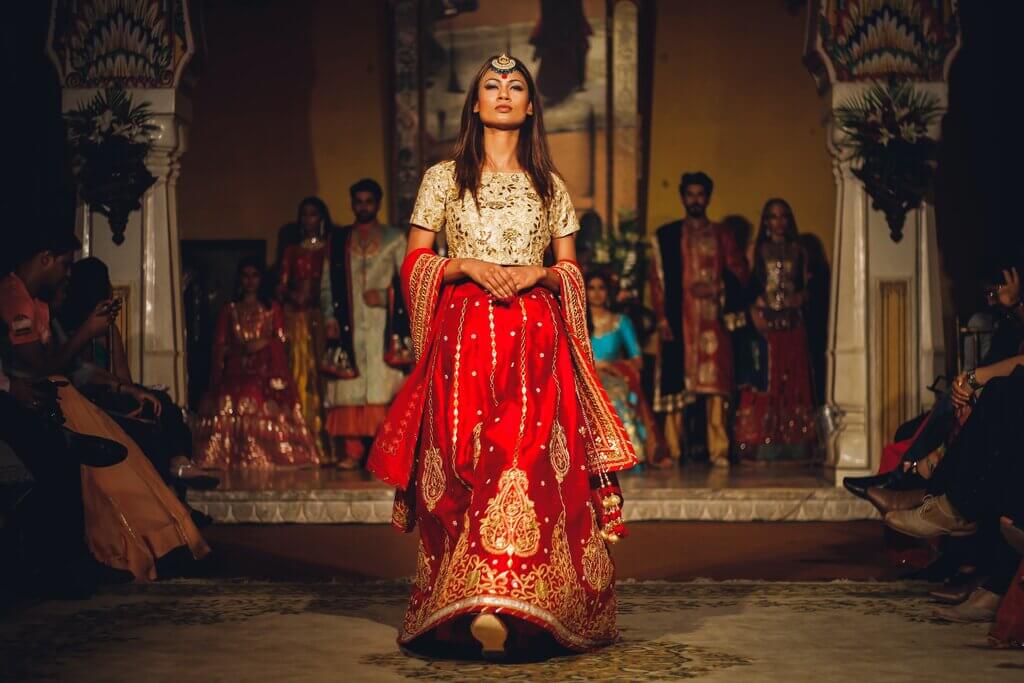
(558, 452)
(400, 512)
(708, 342)
(597, 563)
(510, 524)
(433, 481)
(422, 580)
(476, 443)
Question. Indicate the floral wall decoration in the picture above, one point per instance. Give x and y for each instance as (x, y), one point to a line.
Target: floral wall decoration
(886, 131)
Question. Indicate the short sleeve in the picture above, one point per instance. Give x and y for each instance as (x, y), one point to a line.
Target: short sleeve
(19, 314)
(435, 188)
(562, 216)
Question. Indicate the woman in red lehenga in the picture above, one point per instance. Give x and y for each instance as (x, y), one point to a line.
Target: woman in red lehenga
(776, 422)
(502, 444)
(251, 417)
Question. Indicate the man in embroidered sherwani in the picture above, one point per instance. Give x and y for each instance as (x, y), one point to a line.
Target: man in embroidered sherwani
(357, 297)
(693, 257)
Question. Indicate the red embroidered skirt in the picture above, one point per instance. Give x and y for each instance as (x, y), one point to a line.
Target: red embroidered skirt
(784, 414)
(503, 497)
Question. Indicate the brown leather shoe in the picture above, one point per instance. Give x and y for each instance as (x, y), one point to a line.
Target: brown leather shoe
(936, 516)
(957, 589)
(887, 500)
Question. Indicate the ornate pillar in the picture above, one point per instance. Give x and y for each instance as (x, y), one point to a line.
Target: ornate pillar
(885, 327)
(144, 48)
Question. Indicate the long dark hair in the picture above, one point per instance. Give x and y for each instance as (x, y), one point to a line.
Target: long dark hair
(764, 236)
(88, 284)
(263, 293)
(610, 288)
(532, 152)
(321, 208)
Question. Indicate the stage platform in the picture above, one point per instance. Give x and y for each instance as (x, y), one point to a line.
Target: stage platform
(748, 493)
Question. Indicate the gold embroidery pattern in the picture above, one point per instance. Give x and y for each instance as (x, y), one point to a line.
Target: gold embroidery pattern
(708, 342)
(455, 381)
(433, 480)
(422, 579)
(476, 443)
(550, 592)
(510, 523)
(423, 292)
(400, 512)
(508, 224)
(597, 563)
(558, 452)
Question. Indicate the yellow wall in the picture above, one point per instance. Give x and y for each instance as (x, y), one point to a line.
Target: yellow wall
(732, 98)
(293, 100)
(290, 102)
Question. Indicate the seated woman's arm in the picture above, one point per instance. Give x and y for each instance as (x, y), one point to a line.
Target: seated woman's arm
(962, 389)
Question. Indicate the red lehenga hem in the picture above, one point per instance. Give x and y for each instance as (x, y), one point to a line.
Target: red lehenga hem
(518, 609)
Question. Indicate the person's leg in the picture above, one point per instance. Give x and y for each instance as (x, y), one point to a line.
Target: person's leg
(718, 434)
(973, 474)
(674, 434)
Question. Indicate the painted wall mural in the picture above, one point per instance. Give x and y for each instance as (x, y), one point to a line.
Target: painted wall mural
(131, 43)
(858, 40)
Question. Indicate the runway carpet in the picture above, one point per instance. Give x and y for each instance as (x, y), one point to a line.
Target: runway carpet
(715, 631)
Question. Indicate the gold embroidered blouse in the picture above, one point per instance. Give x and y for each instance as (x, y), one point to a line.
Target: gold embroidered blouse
(511, 226)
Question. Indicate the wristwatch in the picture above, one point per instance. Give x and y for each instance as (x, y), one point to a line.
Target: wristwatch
(972, 380)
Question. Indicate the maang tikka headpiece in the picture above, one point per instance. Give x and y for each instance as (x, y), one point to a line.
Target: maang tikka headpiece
(504, 65)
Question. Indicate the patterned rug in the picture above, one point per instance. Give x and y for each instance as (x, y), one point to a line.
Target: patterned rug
(735, 631)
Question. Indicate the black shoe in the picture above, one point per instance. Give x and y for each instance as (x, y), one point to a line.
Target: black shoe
(95, 451)
(896, 480)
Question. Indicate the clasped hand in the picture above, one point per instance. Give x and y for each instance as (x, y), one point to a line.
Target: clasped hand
(502, 282)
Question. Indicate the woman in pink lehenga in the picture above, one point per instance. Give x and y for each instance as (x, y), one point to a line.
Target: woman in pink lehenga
(251, 417)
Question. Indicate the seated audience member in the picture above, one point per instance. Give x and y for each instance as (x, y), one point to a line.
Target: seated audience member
(132, 519)
(100, 371)
(252, 417)
(52, 559)
(977, 482)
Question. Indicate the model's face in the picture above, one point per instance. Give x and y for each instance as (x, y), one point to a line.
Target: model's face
(365, 207)
(597, 293)
(777, 221)
(503, 100)
(695, 200)
(250, 280)
(310, 219)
